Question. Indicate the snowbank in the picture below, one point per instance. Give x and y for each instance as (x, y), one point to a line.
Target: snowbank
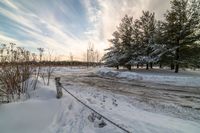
(161, 78)
(43, 113)
(31, 116)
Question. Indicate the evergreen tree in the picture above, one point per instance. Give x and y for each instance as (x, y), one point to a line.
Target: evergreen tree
(136, 47)
(126, 31)
(120, 52)
(162, 53)
(112, 57)
(147, 25)
(182, 24)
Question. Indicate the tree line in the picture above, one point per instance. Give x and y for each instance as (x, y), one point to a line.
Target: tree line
(173, 42)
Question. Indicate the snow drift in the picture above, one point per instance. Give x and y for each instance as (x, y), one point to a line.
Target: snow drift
(162, 78)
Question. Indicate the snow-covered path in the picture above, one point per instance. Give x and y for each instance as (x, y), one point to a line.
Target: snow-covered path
(140, 107)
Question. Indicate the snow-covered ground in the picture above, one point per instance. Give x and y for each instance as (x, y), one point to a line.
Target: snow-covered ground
(136, 108)
(184, 78)
(43, 113)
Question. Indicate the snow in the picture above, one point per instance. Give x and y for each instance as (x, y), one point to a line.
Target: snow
(43, 113)
(131, 117)
(32, 116)
(161, 78)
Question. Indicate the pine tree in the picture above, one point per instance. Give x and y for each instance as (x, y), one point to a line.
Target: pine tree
(147, 23)
(161, 53)
(126, 30)
(112, 57)
(182, 27)
(120, 52)
(136, 45)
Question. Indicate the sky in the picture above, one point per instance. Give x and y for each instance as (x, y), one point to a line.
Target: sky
(68, 26)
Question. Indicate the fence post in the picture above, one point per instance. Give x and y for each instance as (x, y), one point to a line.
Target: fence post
(58, 87)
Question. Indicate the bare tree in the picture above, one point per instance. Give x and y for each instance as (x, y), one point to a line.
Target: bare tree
(41, 50)
(97, 54)
(33, 56)
(71, 57)
(50, 68)
(90, 54)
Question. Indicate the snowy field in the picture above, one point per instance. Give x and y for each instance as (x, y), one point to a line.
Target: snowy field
(139, 101)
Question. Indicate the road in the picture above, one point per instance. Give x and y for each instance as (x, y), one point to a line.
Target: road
(176, 101)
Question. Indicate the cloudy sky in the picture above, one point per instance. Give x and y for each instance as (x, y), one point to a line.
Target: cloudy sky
(66, 26)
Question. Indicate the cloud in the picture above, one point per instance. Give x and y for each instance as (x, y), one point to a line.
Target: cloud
(45, 32)
(68, 26)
